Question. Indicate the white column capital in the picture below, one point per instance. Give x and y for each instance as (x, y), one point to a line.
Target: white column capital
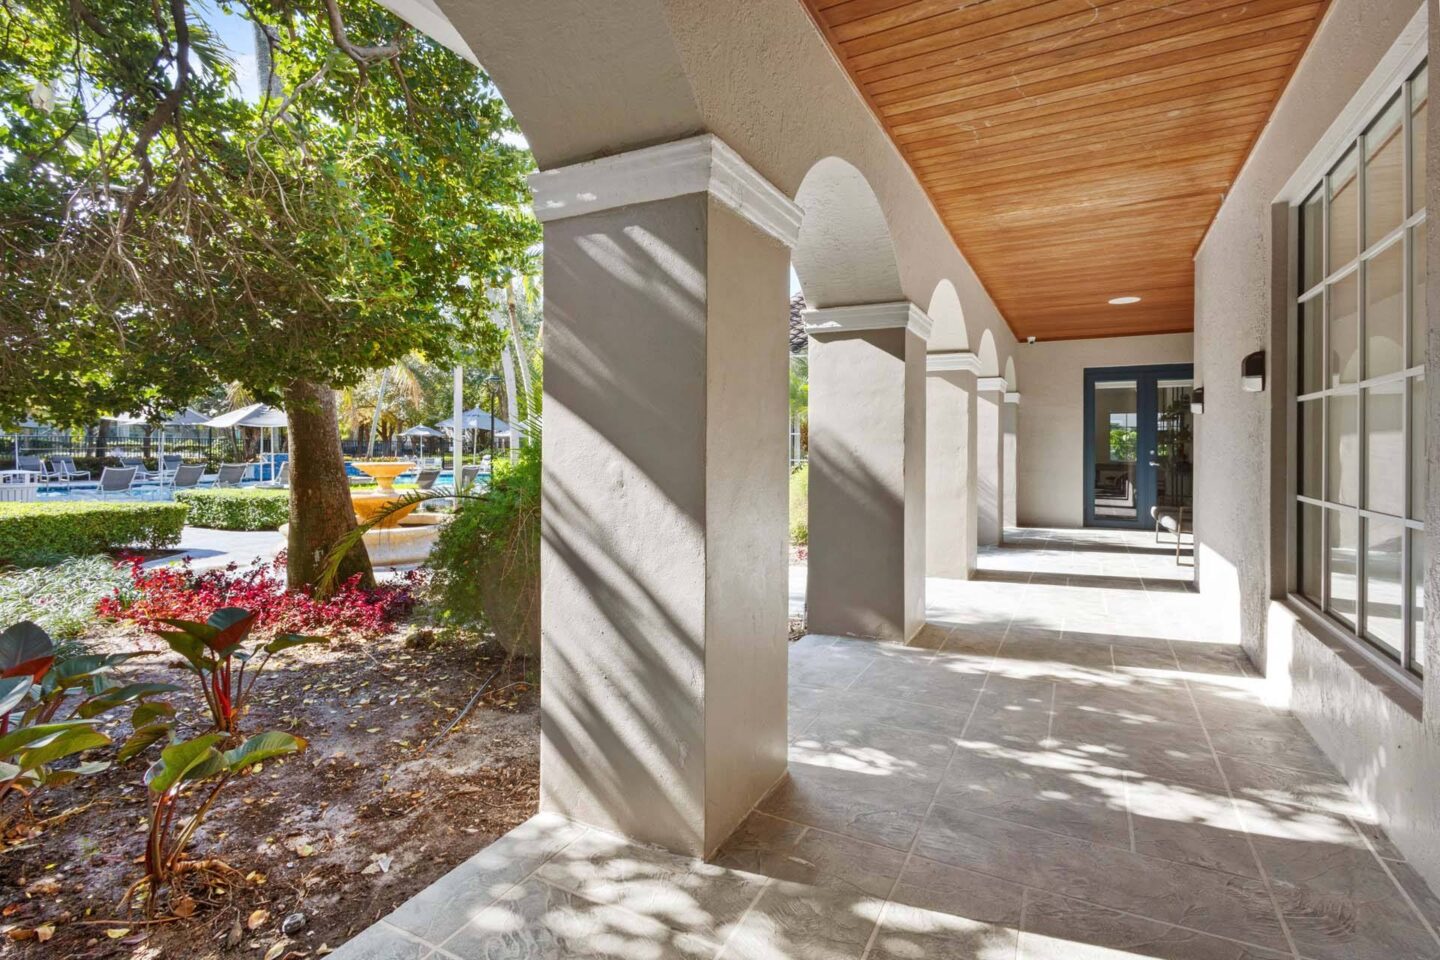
(992, 385)
(702, 164)
(946, 361)
(868, 316)
(1012, 396)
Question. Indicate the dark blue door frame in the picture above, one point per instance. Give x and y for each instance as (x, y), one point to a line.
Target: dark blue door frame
(1146, 427)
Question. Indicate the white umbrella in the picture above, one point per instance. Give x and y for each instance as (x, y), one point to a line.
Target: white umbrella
(255, 415)
(422, 432)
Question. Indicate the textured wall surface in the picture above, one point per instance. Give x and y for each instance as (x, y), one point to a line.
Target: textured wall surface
(1051, 481)
(1374, 737)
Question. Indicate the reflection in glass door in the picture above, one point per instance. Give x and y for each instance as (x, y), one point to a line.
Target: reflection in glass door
(1137, 444)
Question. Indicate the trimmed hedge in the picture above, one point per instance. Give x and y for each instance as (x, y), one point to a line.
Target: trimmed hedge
(800, 505)
(36, 533)
(237, 508)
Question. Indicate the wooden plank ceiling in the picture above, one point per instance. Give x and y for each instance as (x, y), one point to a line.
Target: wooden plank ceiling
(1077, 149)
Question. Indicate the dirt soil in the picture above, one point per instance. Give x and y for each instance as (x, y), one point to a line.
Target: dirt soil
(342, 833)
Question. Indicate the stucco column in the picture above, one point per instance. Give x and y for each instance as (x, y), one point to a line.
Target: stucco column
(663, 564)
(990, 461)
(866, 575)
(1009, 474)
(951, 497)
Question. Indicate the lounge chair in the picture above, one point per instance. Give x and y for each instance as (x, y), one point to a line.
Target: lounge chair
(231, 474)
(282, 479)
(187, 476)
(468, 473)
(38, 467)
(426, 478)
(63, 468)
(116, 480)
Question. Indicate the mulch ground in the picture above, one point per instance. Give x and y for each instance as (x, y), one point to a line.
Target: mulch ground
(370, 814)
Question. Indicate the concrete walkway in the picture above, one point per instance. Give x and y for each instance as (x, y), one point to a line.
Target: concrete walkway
(1063, 767)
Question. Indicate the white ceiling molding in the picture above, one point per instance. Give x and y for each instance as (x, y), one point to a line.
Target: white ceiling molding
(992, 385)
(868, 316)
(1012, 396)
(948, 360)
(702, 164)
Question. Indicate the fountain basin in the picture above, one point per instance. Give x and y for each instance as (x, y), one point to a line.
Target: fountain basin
(386, 472)
(405, 544)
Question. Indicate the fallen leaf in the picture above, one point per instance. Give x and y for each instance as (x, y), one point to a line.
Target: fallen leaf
(304, 850)
(115, 933)
(275, 951)
(44, 932)
(257, 919)
(20, 933)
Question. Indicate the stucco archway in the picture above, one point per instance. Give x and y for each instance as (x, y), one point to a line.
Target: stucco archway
(845, 254)
(948, 316)
(989, 359)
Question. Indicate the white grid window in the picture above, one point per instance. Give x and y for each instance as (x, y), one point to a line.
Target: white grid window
(1359, 379)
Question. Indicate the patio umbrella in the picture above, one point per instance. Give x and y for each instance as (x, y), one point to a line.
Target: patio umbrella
(476, 419)
(260, 415)
(421, 431)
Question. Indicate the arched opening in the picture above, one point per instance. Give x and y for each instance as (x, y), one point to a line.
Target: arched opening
(989, 359)
(845, 254)
(1010, 382)
(948, 317)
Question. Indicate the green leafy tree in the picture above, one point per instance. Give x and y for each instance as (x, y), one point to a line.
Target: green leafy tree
(161, 234)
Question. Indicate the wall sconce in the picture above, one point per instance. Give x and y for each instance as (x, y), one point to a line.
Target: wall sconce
(1197, 400)
(1252, 372)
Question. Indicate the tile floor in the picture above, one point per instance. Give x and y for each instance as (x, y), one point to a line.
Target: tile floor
(1061, 767)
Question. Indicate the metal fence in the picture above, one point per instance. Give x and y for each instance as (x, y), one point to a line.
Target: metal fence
(81, 447)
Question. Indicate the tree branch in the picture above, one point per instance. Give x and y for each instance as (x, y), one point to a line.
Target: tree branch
(363, 56)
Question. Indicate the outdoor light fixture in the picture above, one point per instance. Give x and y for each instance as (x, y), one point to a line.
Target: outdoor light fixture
(1252, 372)
(1197, 400)
(1121, 301)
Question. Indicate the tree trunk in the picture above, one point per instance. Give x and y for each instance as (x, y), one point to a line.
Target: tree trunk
(320, 508)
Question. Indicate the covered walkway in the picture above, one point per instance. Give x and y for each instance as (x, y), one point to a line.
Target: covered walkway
(1063, 765)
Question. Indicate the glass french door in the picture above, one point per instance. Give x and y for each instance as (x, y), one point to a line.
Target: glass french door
(1138, 444)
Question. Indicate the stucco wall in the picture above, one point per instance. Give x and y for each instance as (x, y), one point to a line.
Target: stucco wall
(1382, 748)
(1051, 376)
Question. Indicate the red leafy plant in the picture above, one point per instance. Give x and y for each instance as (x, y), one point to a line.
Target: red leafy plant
(197, 769)
(215, 652)
(178, 592)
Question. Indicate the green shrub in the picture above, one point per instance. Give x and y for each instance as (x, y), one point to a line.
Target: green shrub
(37, 533)
(62, 598)
(237, 509)
(800, 505)
(487, 560)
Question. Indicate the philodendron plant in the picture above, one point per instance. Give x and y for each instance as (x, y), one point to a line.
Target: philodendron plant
(35, 690)
(198, 770)
(215, 652)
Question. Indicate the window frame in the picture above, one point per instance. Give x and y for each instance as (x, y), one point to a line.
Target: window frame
(1404, 669)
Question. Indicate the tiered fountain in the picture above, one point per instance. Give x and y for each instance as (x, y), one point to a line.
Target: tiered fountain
(404, 537)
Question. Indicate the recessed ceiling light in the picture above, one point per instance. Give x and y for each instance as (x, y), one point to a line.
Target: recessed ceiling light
(1121, 301)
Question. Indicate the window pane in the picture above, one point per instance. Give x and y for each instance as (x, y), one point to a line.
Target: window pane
(1311, 448)
(1311, 346)
(1344, 330)
(1419, 334)
(1309, 546)
(1385, 311)
(1418, 101)
(1417, 595)
(1312, 224)
(1385, 458)
(1418, 466)
(1384, 586)
(1343, 213)
(1342, 450)
(1342, 564)
(1384, 173)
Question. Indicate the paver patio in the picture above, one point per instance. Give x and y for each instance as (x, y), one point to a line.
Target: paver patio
(1062, 767)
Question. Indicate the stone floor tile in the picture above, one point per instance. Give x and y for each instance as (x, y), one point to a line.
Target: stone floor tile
(1271, 786)
(1188, 824)
(880, 809)
(873, 749)
(1059, 929)
(865, 706)
(537, 921)
(382, 942)
(950, 684)
(1156, 889)
(1339, 902)
(986, 772)
(827, 666)
(945, 913)
(685, 894)
(438, 910)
